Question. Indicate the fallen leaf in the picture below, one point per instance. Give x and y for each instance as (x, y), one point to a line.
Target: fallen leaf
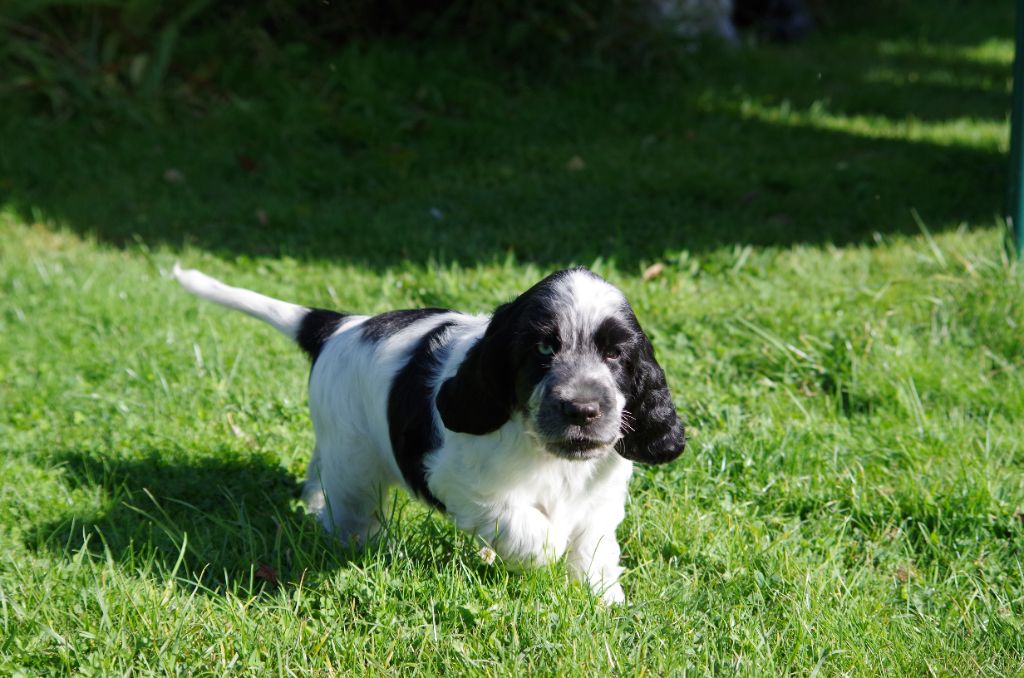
(266, 573)
(575, 164)
(247, 162)
(653, 271)
(173, 176)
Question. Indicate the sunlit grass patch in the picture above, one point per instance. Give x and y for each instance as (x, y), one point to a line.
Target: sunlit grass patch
(825, 284)
(966, 132)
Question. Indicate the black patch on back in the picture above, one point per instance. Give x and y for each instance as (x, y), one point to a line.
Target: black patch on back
(387, 324)
(410, 411)
(316, 328)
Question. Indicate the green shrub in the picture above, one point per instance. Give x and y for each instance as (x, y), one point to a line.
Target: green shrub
(67, 55)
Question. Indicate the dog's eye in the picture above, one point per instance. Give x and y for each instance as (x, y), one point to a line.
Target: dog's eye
(612, 354)
(545, 349)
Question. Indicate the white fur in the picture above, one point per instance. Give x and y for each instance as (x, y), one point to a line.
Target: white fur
(529, 505)
(284, 317)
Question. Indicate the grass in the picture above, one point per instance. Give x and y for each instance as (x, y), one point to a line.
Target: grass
(836, 316)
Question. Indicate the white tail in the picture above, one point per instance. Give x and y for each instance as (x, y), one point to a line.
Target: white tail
(284, 316)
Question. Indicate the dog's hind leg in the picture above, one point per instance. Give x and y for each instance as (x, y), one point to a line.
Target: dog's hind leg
(344, 490)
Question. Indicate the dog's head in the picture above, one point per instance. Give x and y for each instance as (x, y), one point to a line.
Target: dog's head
(570, 354)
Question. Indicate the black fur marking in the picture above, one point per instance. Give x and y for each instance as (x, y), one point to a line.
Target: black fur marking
(502, 368)
(657, 435)
(317, 327)
(410, 411)
(387, 324)
(480, 397)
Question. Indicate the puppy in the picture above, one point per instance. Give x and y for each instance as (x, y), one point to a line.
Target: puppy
(522, 426)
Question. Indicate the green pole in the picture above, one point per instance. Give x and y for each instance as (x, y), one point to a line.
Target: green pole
(1016, 212)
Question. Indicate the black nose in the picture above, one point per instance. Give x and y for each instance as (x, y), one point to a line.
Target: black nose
(580, 413)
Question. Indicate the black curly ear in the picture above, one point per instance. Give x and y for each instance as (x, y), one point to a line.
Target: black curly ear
(654, 434)
(481, 395)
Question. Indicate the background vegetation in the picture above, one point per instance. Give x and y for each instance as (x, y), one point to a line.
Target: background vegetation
(830, 298)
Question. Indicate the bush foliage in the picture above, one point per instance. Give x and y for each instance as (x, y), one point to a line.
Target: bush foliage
(72, 54)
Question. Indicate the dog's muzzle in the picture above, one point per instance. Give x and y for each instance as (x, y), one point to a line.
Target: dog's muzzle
(577, 420)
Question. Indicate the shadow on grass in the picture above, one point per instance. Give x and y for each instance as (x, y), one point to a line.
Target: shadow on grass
(231, 523)
(383, 155)
(899, 80)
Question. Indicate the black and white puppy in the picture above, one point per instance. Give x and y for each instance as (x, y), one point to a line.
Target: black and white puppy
(522, 426)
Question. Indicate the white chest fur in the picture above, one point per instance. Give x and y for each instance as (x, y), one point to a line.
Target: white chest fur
(531, 506)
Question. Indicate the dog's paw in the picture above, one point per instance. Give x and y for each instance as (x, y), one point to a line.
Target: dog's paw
(613, 595)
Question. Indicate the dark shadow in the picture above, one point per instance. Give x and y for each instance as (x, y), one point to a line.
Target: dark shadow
(893, 81)
(957, 22)
(392, 155)
(231, 522)
(673, 197)
(227, 521)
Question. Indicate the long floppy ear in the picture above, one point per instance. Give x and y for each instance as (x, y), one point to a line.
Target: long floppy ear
(657, 435)
(480, 397)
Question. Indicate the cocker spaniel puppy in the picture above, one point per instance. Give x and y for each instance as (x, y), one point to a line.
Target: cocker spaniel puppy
(522, 426)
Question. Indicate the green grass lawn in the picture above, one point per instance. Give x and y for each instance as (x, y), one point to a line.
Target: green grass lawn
(837, 317)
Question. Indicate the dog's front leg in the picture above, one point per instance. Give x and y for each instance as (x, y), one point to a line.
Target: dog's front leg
(594, 558)
(521, 534)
